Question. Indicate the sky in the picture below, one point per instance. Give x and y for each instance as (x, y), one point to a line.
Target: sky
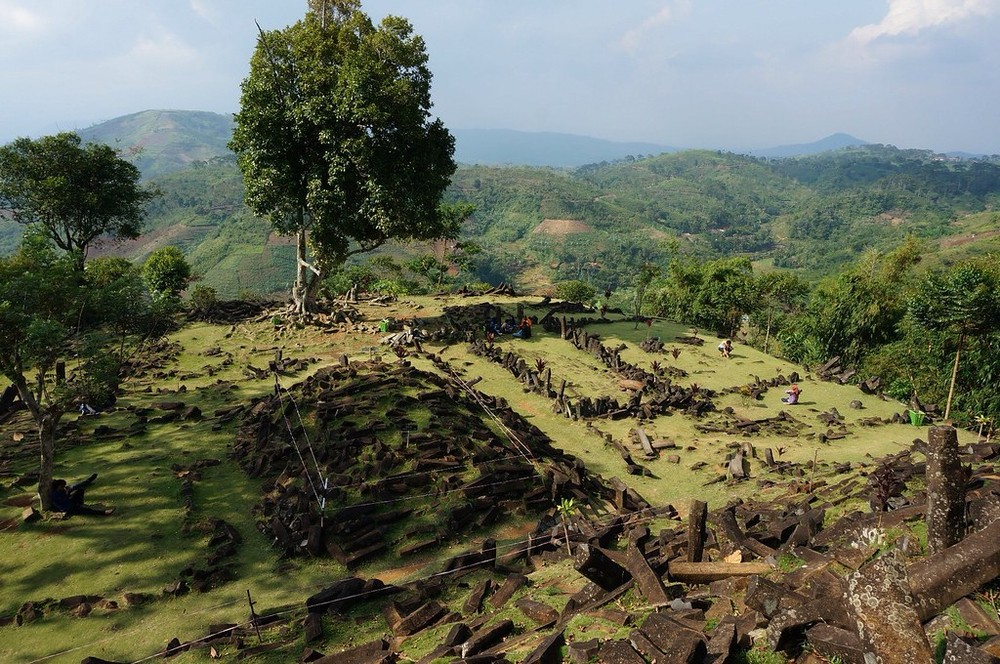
(728, 74)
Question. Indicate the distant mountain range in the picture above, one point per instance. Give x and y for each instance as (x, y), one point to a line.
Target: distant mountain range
(168, 140)
(831, 142)
(542, 225)
(498, 147)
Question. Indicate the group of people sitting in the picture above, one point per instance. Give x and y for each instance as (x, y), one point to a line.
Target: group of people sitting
(509, 326)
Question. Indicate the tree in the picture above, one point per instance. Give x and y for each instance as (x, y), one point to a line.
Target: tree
(962, 301)
(643, 278)
(335, 140)
(776, 292)
(64, 315)
(167, 271)
(575, 291)
(32, 331)
(860, 310)
(725, 295)
(428, 267)
(75, 193)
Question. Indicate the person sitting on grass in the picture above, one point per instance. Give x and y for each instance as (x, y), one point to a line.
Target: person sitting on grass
(523, 330)
(726, 348)
(792, 393)
(68, 499)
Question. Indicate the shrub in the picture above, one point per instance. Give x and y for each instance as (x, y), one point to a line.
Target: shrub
(203, 298)
(166, 271)
(575, 291)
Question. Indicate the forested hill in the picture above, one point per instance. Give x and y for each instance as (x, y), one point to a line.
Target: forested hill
(598, 222)
(815, 213)
(163, 141)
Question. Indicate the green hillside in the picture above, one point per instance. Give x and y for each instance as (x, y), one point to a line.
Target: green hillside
(539, 226)
(814, 213)
(201, 211)
(596, 223)
(164, 141)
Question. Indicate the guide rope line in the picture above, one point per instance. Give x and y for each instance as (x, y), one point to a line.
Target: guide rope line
(524, 450)
(291, 435)
(319, 472)
(653, 515)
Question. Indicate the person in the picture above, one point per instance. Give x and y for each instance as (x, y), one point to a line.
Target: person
(726, 348)
(523, 329)
(68, 499)
(792, 393)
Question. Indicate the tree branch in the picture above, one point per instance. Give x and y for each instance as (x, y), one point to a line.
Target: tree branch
(364, 248)
(309, 266)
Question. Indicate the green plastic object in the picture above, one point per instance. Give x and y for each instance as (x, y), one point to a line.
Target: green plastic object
(917, 418)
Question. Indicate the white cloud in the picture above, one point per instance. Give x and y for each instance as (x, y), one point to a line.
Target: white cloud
(204, 10)
(631, 39)
(910, 17)
(17, 19)
(165, 49)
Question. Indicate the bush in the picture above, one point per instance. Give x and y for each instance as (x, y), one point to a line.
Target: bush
(395, 287)
(106, 270)
(575, 291)
(203, 298)
(166, 271)
(900, 389)
(341, 281)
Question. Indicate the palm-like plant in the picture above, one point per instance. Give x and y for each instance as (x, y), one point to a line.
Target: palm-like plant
(566, 507)
(982, 421)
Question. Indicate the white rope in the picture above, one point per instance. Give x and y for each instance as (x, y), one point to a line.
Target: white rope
(291, 435)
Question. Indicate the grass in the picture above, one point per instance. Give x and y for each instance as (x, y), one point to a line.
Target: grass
(151, 538)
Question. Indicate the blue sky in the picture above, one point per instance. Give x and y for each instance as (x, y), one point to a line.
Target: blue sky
(733, 74)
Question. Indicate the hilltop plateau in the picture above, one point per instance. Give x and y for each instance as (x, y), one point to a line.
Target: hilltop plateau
(382, 474)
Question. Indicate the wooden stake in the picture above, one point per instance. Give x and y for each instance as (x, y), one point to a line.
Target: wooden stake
(253, 617)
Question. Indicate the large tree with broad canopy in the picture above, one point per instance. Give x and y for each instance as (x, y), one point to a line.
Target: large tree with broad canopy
(335, 139)
(75, 193)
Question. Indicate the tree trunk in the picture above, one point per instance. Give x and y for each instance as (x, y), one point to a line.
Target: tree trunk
(767, 334)
(312, 291)
(47, 438)
(954, 375)
(300, 289)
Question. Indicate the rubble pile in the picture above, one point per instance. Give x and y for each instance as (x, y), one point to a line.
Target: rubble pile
(409, 459)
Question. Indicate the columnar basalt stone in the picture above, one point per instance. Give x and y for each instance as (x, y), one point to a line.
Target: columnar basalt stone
(879, 599)
(945, 489)
(943, 578)
(549, 651)
(594, 564)
(647, 580)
